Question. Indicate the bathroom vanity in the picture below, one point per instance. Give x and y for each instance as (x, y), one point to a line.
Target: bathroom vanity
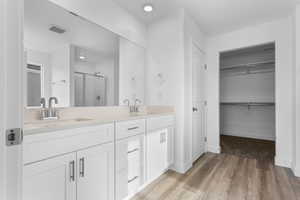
(92, 159)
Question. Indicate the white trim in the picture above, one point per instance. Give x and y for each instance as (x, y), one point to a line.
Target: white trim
(2, 105)
(296, 171)
(181, 167)
(11, 103)
(279, 161)
(213, 149)
(247, 135)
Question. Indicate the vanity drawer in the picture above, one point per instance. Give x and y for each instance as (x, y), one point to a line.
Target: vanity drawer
(157, 123)
(130, 128)
(42, 146)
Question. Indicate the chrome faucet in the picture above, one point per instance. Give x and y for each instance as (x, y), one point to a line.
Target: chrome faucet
(135, 107)
(43, 102)
(44, 111)
(126, 101)
(52, 112)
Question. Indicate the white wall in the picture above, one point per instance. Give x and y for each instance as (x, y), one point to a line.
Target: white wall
(296, 137)
(61, 62)
(169, 75)
(193, 36)
(279, 31)
(165, 56)
(110, 15)
(131, 71)
(43, 59)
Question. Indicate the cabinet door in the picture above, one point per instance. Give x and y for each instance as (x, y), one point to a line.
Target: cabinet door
(129, 166)
(95, 172)
(50, 179)
(157, 153)
(121, 169)
(170, 146)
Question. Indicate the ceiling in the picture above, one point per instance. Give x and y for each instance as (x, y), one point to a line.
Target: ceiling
(41, 14)
(215, 16)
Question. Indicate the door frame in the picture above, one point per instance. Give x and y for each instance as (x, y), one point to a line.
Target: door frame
(275, 87)
(11, 101)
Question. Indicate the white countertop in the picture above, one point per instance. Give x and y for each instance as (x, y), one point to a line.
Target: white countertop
(44, 126)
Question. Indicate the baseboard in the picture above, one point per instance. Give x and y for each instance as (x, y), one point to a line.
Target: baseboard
(245, 135)
(282, 162)
(213, 149)
(296, 171)
(182, 168)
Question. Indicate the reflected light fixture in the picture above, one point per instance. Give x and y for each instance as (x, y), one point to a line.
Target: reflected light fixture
(82, 57)
(148, 8)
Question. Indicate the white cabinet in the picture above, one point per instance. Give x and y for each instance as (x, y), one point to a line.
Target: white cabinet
(91, 164)
(129, 166)
(157, 153)
(95, 168)
(50, 179)
(84, 175)
(159, 146)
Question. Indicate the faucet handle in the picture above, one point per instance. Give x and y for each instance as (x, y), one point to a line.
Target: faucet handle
(126, 101)
(43, 102)
(136, 108)
(138, 101)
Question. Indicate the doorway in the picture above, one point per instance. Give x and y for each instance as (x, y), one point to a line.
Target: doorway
(247, 102)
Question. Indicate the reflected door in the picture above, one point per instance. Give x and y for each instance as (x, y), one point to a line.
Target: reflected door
(90, 90)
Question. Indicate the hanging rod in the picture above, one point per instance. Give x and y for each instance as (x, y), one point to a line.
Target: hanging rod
(248, 104)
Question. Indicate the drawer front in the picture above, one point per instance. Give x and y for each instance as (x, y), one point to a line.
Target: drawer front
(157, 123)
(43, 146)
(130, 128)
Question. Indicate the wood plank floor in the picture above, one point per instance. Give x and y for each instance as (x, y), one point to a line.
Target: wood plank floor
(226, 176)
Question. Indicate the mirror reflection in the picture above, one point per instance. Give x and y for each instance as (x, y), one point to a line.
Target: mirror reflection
(74, 60)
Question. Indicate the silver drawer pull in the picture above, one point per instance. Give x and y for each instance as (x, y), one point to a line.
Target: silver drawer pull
(133, 128)
(81, 167)
(132, 151)
(163, 138)
(72, 171)
(133, 179)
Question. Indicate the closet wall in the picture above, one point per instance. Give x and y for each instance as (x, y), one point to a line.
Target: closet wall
(247, 92)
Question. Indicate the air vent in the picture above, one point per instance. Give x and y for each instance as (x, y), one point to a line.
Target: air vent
(57, 29)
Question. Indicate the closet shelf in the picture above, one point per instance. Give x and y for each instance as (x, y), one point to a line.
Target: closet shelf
(251, 68)
(248, 103)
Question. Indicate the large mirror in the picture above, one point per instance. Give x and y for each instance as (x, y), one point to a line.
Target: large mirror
(76, 61)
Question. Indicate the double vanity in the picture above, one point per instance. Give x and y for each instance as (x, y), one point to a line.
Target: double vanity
(108, 156)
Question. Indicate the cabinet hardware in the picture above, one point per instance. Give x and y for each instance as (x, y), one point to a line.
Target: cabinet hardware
(162, 137)
(132, 151)
(14, 136)
(195, 109)
(81, 167)
(133, 128)
(133, 179)
(72, 171)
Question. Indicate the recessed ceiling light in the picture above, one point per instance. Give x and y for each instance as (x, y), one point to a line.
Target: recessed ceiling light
(148, 8)
(82, 57)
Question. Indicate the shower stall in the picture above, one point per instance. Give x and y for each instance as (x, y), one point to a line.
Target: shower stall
(90, 89)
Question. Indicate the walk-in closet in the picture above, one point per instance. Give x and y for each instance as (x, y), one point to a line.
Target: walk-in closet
(247, 101)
